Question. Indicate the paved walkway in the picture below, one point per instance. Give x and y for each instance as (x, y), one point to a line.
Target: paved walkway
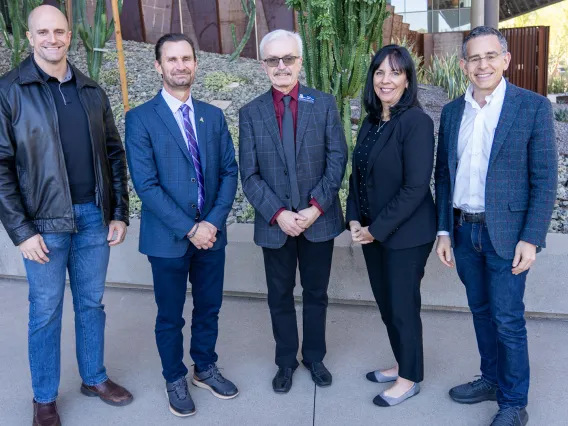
(357, 342)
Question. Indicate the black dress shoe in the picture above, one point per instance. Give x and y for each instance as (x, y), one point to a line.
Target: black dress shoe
(282, 382)
(320, 375)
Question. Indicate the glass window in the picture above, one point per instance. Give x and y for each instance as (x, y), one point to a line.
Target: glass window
(465, 3)
(398, 5)
(465, 19)
(432, 4)
(418, 21)
(416, 5)
(448, 4)
(445, 21)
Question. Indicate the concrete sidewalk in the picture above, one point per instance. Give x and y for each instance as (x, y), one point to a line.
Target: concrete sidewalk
(357, 342)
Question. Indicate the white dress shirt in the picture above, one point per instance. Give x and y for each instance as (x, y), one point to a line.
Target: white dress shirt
(475, 140)
(174, 104)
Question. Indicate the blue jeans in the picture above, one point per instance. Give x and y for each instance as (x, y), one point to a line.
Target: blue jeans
(206, 270)
(85, 255)
(495, 298)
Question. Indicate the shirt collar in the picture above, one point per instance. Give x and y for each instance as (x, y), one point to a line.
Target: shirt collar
(45, 76)
(277, 95)
(174, 104)
(498, 94)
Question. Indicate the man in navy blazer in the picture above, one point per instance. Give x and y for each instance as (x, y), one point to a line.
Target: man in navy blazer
(182, 164)
(496, 177)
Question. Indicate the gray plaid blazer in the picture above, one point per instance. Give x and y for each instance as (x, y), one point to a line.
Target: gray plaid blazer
(321, 156)
(520, 190)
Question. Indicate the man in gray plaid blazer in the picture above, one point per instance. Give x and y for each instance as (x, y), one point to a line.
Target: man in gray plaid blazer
(496, 177)
(292, 155)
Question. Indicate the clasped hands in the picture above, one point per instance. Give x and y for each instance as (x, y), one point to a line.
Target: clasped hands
(205, 236)
(294, 224)
(360, 234)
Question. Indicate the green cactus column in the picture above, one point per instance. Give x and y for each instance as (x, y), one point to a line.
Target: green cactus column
(339, 37)
(95, 37)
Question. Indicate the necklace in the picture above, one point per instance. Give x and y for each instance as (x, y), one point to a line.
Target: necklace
(381, 126)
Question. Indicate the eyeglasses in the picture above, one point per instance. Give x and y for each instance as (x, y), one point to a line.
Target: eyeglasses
(274, 62)
(490, 58)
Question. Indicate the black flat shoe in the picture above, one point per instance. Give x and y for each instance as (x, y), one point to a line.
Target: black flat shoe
(282, 382)
(320, 375)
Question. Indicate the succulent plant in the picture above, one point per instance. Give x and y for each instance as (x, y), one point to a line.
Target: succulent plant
(95, 37)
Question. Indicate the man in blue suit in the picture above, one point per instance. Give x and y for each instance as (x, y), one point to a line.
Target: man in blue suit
(182, 164)
(496, 177)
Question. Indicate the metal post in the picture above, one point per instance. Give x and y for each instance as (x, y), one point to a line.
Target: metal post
(492, 13)
(477, 13)
(121, 68)
(180, 17)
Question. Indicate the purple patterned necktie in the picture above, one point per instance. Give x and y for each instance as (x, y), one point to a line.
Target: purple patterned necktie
(194, 151)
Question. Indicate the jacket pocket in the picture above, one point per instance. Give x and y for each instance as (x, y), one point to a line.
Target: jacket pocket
(519, 206)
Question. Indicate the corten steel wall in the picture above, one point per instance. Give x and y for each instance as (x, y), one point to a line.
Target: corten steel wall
(529, 54)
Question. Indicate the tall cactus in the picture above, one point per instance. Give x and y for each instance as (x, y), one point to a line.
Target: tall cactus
(95, 37)
(339, 37)
(250, 11)
(18, 11)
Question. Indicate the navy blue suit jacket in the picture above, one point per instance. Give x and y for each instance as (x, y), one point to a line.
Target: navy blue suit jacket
(164, 177)
(520, 188)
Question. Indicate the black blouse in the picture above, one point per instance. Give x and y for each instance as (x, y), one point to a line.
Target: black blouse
(361, 159)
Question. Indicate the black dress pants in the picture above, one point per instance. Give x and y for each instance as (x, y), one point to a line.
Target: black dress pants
(315, 265)
(395, 277)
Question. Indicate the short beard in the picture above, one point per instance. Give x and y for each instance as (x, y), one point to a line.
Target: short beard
(172, 83)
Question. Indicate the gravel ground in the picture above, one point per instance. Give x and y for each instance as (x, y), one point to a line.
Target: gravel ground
(144, 83)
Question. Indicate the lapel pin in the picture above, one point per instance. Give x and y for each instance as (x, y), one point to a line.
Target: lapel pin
(201, 119)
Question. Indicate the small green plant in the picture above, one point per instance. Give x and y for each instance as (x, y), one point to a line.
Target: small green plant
(249, 7)
(18, 11)
(219, 80)
(558, 84)
(248, 214)
(561, 115)
(95, 37)
(445, 72)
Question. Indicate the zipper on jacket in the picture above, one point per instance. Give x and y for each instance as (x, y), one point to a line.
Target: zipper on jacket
(65, 175)
(98, 198)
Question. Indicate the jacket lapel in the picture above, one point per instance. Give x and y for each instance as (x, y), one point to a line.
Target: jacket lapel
(455, 124)
(268, 114)
(164, 112)
(380, 144)
(201, 131)
(506, 119)
(304, 112)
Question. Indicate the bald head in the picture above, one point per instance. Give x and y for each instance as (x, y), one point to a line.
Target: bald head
(45, 13)
(49, 35)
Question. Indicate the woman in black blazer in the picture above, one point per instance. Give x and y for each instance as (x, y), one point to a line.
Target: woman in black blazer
(390, 210)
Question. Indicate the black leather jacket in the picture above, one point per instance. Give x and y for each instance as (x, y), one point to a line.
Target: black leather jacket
(34, 188)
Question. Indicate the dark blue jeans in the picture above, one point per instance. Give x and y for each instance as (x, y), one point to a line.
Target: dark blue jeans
(205, 269)
(495, 298)
(85, 256)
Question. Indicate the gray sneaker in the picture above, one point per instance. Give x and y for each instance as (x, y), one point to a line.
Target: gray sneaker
(511, 416)
(181, 404)
(473, 392)
(212, 379)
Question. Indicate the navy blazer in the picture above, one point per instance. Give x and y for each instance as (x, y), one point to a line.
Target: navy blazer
(321, 156)
(520, 189)
(164, 177)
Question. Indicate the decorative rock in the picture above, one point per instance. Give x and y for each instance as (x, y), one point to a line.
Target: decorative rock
(221, 104)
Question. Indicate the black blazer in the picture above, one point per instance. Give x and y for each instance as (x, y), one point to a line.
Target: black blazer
(400, 167)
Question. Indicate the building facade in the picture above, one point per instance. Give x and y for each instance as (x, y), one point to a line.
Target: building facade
(434, 16)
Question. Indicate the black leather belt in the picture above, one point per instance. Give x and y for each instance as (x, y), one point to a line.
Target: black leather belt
(470, 217)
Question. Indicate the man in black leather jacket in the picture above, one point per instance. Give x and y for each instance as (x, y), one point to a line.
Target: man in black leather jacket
(63, 202)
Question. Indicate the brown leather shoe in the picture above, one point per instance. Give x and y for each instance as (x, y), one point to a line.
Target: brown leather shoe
(108, 392)
(46, 414)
